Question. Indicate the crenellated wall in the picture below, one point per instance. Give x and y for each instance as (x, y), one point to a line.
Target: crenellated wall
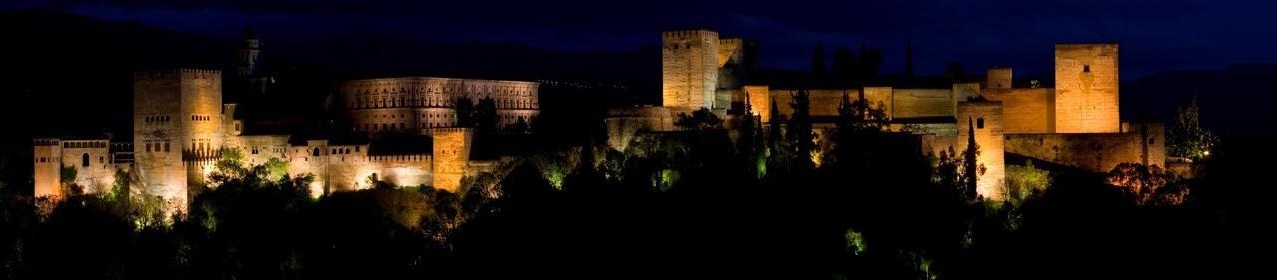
(689, 68)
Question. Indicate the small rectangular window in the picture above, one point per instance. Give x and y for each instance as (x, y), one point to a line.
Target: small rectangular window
(979, 123)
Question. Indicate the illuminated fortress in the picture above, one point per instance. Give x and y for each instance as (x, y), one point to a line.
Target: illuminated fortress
(181, 126)
(1074, 124)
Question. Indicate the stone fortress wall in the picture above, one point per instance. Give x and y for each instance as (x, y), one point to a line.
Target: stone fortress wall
(416, 105)
(181, 126)
(1099, 152)
(1068, 125)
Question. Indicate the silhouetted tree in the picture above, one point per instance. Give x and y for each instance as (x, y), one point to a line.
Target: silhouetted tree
(818, 62)
(750, 140)
(955, 71)
(777, 147)
(799, 131)
(520, 126)
(858, 126)
(970, 165)
(909, 59)
(486, 118)
(700, 119)
(871, 61)
(844, 66)
(464, 109)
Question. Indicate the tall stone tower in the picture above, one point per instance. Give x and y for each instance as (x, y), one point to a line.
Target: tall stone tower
(176, 118)
(48, 168)
(249, 55)
(451, 156)
(1086, 89)
(689, 68)
(983, 120)
(999, 78)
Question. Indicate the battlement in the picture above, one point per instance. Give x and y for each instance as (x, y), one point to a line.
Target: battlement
(1110, 46)
(436, 131)
(171, 73)
(684, 34)
(400, 158)
(46, 141)
(409, 80)
(647, 111)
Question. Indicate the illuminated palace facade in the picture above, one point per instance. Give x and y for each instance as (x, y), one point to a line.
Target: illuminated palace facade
(1074, 124)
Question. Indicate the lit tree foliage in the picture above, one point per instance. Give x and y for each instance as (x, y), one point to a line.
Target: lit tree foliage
(1187, 138)
(1149, 185)
(1024, 182)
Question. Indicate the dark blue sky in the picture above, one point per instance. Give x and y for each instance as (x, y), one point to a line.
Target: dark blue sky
(1155, 35)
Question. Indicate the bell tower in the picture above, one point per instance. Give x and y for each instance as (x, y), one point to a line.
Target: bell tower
(249, 54)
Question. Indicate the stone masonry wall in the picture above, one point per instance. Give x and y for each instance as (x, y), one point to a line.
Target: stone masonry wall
(418, 104)
(175, 116)
(689, 68)
(999, 78)
(623, 124)
(48, 172)
(1028, 110)
(760, 101)
(1098, 152)
(451, 155)
(986, 118)
(1086, 88)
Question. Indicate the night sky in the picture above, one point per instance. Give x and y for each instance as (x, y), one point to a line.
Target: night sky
(1155, 35)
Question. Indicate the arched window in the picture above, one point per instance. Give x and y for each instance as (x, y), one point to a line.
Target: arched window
(315, 153)
(84, 160)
